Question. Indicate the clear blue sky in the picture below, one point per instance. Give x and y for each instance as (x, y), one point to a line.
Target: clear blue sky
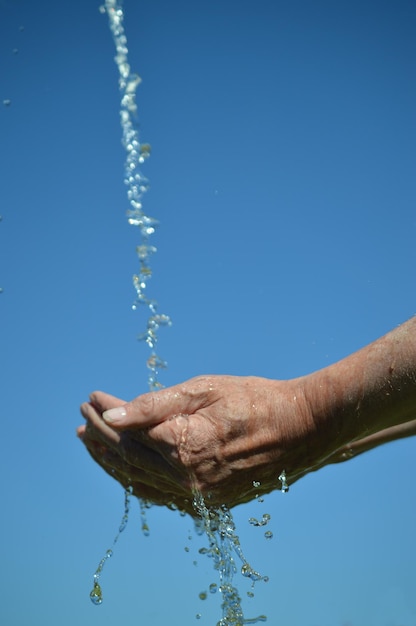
(283, 174)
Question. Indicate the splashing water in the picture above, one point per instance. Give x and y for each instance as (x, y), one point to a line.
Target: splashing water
(224, 544)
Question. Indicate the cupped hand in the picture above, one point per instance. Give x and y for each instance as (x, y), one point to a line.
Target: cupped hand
(213, 434)
(216, 435)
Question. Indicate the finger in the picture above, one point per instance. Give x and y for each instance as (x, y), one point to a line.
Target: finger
(104, 401)
(130, 447)
(80, 431)
(138, 455)
(165, 480)
(155, 407)
(95, 424)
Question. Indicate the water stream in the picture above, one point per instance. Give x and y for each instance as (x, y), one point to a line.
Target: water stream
(216, 523)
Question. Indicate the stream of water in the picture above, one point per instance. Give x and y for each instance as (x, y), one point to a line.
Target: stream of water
(217, 523)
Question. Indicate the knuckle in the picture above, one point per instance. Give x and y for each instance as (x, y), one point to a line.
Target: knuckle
(146, 405)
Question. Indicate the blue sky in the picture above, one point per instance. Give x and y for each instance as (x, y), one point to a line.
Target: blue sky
(282, 171)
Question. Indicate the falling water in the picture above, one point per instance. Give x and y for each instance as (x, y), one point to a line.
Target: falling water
(224, 546)
(217, 523)
(137, 185)
(96, 593)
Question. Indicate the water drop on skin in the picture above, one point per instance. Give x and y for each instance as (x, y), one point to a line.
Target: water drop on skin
(284, 486)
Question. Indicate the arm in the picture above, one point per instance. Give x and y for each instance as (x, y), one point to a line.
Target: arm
(370, 390)
(218, 434)
(353, 449)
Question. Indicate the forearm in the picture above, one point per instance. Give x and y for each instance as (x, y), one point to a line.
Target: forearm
(370, 390)
(353, 449)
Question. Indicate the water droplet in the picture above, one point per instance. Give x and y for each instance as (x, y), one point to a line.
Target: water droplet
(255, 522)
(132, 83)
(198, 616)
(256, 483)
(284, 486)
(213, 588)
(268, 534)
(145, 529)
(145, 150)
(143, 251)
(249, 572)
(96, 594)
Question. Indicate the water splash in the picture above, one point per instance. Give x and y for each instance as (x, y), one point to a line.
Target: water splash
(137, 185)
(224, 546)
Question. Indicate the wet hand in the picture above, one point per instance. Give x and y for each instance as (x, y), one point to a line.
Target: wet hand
(213, 434)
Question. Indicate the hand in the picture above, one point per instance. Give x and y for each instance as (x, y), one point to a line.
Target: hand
(213, 434)
(165, 453)
(218, 434)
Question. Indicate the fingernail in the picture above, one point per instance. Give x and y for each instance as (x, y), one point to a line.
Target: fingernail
(113, 416)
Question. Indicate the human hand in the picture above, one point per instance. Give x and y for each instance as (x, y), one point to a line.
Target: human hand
(165, 454)
(218, 434)
(212, 434)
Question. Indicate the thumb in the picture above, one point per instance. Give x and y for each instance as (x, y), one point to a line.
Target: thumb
(155, 407)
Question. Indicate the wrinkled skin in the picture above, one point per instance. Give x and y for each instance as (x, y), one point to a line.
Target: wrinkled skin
(215, 435)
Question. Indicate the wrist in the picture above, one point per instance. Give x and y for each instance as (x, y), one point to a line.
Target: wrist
(370, 390)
